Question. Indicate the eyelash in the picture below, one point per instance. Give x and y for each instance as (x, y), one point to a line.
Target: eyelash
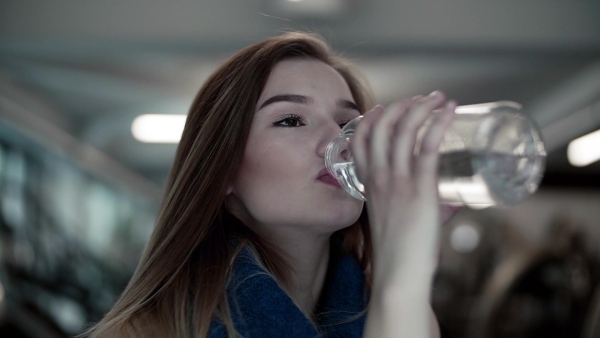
(298, 119)
(292, 117)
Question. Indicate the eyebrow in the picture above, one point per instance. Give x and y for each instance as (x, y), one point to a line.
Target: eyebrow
(301, 99)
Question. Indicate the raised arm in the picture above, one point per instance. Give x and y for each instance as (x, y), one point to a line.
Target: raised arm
(401, 190)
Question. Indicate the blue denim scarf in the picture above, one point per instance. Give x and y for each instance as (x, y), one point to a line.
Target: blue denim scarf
(261, 309)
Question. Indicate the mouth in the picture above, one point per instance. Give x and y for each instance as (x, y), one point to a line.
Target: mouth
(330, 180)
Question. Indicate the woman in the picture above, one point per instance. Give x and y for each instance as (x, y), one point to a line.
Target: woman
(255, 239)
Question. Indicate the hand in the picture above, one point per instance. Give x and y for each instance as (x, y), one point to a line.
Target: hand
(402, 195)
(401, 187)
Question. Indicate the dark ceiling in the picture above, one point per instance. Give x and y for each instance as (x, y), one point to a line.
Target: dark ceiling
(85, 70)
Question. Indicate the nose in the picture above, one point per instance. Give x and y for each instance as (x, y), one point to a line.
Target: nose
(330, 131)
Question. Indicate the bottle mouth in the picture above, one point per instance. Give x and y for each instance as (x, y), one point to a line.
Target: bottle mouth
(340, 162)
(338, 150)
(330, 155)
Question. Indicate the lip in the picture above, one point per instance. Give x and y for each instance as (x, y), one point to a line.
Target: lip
(325, 177)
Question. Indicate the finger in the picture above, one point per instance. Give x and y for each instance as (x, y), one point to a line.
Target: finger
(426, 162)
(407, 129)
(381, 147)
(360, 141)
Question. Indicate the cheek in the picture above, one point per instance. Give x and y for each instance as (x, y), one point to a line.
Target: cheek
(268, 175)
(268, 165)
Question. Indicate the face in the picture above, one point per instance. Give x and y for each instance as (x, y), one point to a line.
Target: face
(301, 109)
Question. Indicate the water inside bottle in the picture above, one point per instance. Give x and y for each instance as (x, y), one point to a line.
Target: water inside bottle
(475, 179)
(483, 178)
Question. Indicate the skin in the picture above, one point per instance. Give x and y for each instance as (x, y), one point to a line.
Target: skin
(277, 194)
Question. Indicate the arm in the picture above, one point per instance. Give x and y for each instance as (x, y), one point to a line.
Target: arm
(401, 190)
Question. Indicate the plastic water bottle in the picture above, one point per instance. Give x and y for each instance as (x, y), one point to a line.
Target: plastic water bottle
(490, 155)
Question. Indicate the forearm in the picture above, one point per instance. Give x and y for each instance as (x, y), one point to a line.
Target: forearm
(398, 312)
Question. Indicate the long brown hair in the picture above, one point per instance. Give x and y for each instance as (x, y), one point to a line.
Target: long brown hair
(178, 286)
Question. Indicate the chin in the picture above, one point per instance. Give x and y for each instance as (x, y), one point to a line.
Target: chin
(345, 218)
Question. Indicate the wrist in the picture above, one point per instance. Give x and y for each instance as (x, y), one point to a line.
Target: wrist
(401, 289)
(396, 311)
(396, 275)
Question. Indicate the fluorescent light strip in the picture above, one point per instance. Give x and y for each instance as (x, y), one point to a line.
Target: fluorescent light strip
(584, 150)
(158, 128)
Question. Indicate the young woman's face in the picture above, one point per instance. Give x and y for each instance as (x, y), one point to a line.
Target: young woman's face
(279, 184)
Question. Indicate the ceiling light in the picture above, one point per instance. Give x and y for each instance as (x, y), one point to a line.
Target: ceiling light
(308, 9)
(158, 128)
(465, 237)
(584, 150)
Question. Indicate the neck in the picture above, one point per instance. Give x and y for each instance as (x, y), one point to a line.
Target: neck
(309, 258)
(310, 261)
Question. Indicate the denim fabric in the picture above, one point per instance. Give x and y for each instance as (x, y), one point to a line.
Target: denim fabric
(261, 309)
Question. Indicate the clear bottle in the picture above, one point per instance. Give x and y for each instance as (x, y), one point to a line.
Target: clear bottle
(490, 155)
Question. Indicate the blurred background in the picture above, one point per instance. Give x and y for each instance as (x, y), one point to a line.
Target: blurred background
(79, 193)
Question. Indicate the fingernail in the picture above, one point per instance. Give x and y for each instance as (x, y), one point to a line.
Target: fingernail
(435, 93)
(375, 109)
(371, 112)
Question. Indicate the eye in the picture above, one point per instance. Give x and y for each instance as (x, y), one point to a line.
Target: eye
(290, 121)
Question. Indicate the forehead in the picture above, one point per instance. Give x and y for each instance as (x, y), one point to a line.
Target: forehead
(305, 77)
